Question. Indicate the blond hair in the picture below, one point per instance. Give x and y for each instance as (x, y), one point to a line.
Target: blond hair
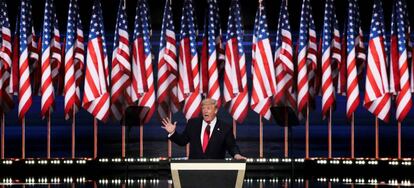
(209, 102)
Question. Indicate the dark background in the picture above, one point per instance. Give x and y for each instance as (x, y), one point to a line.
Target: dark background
(247, 132)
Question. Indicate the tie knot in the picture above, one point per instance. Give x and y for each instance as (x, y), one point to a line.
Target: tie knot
(208, 127)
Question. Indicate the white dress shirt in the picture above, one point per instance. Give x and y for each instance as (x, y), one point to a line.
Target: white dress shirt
(203, 128)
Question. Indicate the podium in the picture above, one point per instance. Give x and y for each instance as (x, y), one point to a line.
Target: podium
(207, 173)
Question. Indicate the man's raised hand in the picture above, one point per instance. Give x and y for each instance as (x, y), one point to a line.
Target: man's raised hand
(168, 126)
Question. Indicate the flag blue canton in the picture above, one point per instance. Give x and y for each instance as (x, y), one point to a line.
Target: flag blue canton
(235, 29)
(401, 30)
(283, 24)
(327, 26)
(25, 23)
(142, 27)
(304, 25)
(377, 24)
(121, 24)
(47, 25)
(213, 26)
(72, 25)
(352, 27)
(188, 29)
(167, 23)
(261, 28)
(96, 29)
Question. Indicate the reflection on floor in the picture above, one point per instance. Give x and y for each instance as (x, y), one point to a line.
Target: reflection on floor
(122, 182)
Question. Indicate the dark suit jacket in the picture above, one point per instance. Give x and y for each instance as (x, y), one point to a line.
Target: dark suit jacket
(221, 139)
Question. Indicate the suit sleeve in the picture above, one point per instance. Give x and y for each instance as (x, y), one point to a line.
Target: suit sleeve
(183, 138)
(231, 145)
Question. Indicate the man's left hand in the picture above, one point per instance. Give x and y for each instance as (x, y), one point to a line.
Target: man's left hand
(239, 157)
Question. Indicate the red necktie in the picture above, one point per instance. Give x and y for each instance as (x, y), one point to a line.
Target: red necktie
(206, 137)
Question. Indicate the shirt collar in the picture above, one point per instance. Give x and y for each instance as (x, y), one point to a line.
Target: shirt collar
(212, 123)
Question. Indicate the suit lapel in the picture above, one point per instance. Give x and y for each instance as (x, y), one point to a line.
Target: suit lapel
(214, 135)
(198, 131)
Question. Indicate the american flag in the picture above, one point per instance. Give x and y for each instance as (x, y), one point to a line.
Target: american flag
(14, 68)
(25, 89)
(394, 55)
(377, 98)
(403, 100)
(264, 82)
(74, 60)
(121, 66)
(410, 49)
(35, 67)
(143, 79)
(360, 50)
(210, 86)
(342, 69)
(56, 51)
(235, 76)
(48, 91)
(5, 37)
(6, 100)
(167, 66)
(96, 96)
(352, 34)
(35, 46)
(204, 56)
(335, 50)
(328, 97)
(79, 54)
(189, 81)
(215, 51)
(285, 94)
(307, 58)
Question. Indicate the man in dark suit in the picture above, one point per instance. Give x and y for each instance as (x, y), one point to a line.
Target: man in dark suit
(208, 136)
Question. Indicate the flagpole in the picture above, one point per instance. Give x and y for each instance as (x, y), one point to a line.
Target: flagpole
(260, 137)
(169, 141)
(169, 149)
(330, 134)
(141, 141)
(376, 138)
(23, 138)
(187, 149)
(95, 138)
(48, 135)
(73, 132)
(123, 149)
(2, 134)
(286, 132)
(353, 136)
(399, 140)
(123, 139)
(234, 129)
(307, 132)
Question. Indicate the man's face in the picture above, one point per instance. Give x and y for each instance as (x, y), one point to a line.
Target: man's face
(209, 112)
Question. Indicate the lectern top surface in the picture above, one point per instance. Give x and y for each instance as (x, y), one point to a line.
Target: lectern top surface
(208, 161)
